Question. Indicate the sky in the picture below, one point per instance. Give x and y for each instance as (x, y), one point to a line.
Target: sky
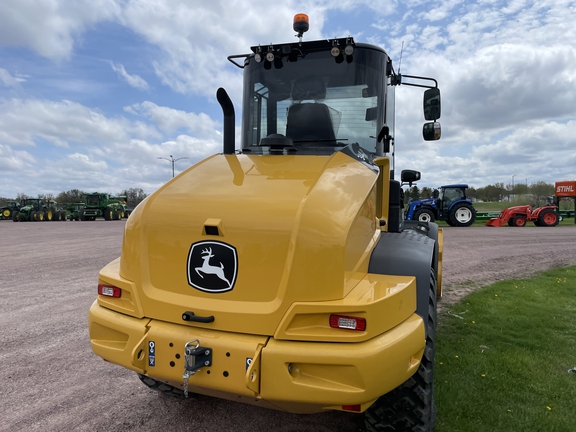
(93, 92)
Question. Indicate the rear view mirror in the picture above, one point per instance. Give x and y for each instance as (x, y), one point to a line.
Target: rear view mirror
(431, 131)
(432, 108)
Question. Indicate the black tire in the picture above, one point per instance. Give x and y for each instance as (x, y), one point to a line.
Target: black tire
(411, 406)
(462, 215)
(15, 217)
(81, 216)
(165, 389)
(519, 221)
(423, 215)
(548, 218)
(107, 214)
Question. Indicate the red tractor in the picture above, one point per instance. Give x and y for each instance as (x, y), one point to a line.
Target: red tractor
(519, 215)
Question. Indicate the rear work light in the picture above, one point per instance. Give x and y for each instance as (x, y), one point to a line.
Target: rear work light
(109, 291)
(347, 322)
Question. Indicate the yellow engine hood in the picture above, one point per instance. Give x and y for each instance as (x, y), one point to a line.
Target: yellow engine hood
(242, 237)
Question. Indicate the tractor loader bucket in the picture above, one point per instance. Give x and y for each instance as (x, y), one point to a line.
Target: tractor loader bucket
(496, 222)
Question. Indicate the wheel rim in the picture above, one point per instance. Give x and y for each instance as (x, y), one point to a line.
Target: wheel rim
(424, 217)
(520, 222)
(463, 215)
(549, 218)
(6, 213)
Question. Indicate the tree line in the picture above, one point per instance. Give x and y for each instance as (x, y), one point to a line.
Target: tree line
(536, 193)
(133, 197)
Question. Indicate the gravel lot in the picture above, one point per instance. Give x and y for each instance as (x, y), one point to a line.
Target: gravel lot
(51, 380)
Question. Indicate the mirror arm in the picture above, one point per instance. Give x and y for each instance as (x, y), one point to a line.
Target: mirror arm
(399, 81)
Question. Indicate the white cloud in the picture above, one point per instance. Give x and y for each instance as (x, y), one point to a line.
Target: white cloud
(8, 80)
(170, 120)
(49, 27)
(23, 122)
(135, 81)
(196, 41)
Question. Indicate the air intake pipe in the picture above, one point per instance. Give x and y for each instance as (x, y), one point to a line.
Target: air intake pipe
(229, 120)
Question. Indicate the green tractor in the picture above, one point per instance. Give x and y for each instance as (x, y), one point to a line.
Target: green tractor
(8, 210)
(31, 210)
(74, 211)
(103, 205)
(38, 209)
(53, 211)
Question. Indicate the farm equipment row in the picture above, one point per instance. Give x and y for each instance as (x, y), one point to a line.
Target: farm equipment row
(450, 204)
(37, 209)
(95, 205)
(546, 216)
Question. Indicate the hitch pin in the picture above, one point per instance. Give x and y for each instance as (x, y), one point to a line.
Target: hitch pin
(189, 370)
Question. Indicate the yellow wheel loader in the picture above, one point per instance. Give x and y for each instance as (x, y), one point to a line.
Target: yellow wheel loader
(289, 279)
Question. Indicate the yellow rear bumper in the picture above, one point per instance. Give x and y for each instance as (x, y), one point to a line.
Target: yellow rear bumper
(298, 377)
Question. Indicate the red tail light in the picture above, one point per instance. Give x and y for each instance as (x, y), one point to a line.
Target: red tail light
(109, 291)
(354, 408)
(347, 322)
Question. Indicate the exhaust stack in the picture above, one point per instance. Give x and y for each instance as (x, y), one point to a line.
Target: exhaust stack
(229, 120)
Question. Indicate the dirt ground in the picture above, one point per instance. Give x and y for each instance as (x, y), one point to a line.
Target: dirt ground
(51, 381)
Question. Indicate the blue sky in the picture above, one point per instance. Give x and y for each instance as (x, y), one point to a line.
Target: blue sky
(92, 92)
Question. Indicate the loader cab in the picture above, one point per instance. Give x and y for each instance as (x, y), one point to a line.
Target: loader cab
(306, 100)
(318, 97)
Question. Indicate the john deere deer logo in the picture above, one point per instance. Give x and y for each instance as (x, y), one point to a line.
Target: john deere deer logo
(212, 266)
(210, 269)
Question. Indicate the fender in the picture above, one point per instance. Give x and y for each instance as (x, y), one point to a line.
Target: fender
(429, 203)
(467, 201)
(412, 252)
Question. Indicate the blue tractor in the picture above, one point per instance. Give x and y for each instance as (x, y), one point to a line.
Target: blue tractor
(449, 204)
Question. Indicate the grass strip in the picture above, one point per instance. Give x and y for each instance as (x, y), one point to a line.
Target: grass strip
(503, 356)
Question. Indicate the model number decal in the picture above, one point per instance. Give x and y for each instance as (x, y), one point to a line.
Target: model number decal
(151, 353)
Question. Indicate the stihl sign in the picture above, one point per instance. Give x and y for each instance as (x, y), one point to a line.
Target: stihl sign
(566, 189)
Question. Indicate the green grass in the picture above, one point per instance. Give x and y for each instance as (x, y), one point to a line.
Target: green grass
(493, 206)
(503, 356)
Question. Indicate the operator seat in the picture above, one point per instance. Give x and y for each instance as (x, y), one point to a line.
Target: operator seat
(309, 121)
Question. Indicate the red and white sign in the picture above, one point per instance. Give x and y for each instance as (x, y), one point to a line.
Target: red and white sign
(566, 189)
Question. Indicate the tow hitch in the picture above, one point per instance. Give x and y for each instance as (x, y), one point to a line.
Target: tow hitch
(195, 358)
